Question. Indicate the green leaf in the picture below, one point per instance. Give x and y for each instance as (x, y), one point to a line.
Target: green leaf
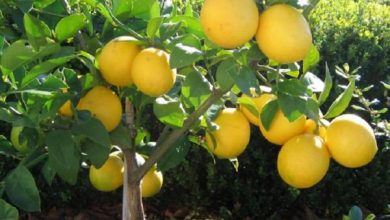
(48, 172)
(328, 86)
(7, 211)
(248, 103)
(16, 55)
(387, 86)
(245, 80)
(145, 9)
(169, 112)
(94, 130)
(291, 106)
(153, 26)
(191, 24)
(294, 87)
(224, 71)
(370, 217)
(37, 31)
(183, 55)
(196, 88)
(64, 156)
(43, 3)
(96, 153)
(175, 155)
(68, 26)
(45, 67)
(120, 136)
(169, 29)
(342, 101)
(355, 213)
(24, 5)
(314, 83)
(311, 59)
(21, 189)
(268, 113)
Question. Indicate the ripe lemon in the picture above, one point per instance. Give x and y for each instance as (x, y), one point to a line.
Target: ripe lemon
(151, 183)
(116, 58)
(151, 72)
(303, 161)
(20, 145)
(109, 177)
(310, 127)
(283, 34)
(232, 135)
(66, 109)
(229, 23)
(281, 128)
(103, 104)
(260, 103)
(351, 141)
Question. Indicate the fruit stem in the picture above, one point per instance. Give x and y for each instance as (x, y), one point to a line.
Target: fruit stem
(163, 146)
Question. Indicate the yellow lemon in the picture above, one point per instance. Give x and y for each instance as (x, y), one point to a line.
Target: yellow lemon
(109, 177)
(66, 109)
(152, 73)
(351, 141)
(229, 23)
(116, 58)
(283, 34)
(151, 183)
(232, 135)
(303, 161)
(103, 104)
(310, 127)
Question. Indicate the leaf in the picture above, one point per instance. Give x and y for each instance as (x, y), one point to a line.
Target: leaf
(314, 83)
(342, 101)
(175, 155)
(153, 26)
(169, 112)
(24, 5)
(169, 29)
(387, 86)
(94, 130)
(7, 211)
(294, 87)
(196, 88)
(328, 86)
(22, 191)
(96, 153)
(311, 59)
(64, 156)
(120, 136)
(355, 213)
(268, 113)
(145, 9)
(245, 80)
(224, 71)
(68, 26)
(183, 55)
(291, 106)
(248, 103)
(37, 31)
(191, 24)
(45, 67)
(48, 172)
(16, 55)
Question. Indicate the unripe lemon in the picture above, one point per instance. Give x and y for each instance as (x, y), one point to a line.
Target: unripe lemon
(281, 129)
(20, 145)
(351, 141)
(260, 103)
(116, 58)
(232, 135)
(229, 23)
(109, 177)
(103, 104)
(283, 34)
(151, 72)
(151, 183)
(66, 109)
(303, 161)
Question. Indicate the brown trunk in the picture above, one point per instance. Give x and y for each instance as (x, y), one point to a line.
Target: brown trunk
(132, 200)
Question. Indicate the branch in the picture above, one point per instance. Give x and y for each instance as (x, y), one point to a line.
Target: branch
(174, 135)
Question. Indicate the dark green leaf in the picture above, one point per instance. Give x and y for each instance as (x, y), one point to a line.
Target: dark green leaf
(355, 213)
(183, 55)
(24, 5)
(268, 113)
(64, 156)
(342, 101)
(291, 106)
(311, 59)
(169, 29)
(175, 155)
(120, 136)
(328, 86)
(68, 26)
(169, 112)
(245, 80)
(94, 130)
(196, 88)
(96, 153)
(16, 55)
(7, 211)
(6, 148)
(22, 191)
(37, 31)
(294, 87)
(48, 172)
(225, 69)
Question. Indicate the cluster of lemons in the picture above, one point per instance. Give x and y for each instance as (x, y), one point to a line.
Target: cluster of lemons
(283, 35)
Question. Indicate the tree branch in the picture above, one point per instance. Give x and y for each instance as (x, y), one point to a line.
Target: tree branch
(174, 135)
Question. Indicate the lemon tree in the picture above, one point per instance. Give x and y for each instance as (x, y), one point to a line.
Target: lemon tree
(157, 80)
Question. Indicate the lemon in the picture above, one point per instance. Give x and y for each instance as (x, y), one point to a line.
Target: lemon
(303, 161)
(232, 135)
(66, 109)
(310, 127)
(116, 58)
(20, 145)
(152, 73)
(103, 104)
(229, 23)
(109, 177)
(283, 34)
(351, 141)
(151, 183)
